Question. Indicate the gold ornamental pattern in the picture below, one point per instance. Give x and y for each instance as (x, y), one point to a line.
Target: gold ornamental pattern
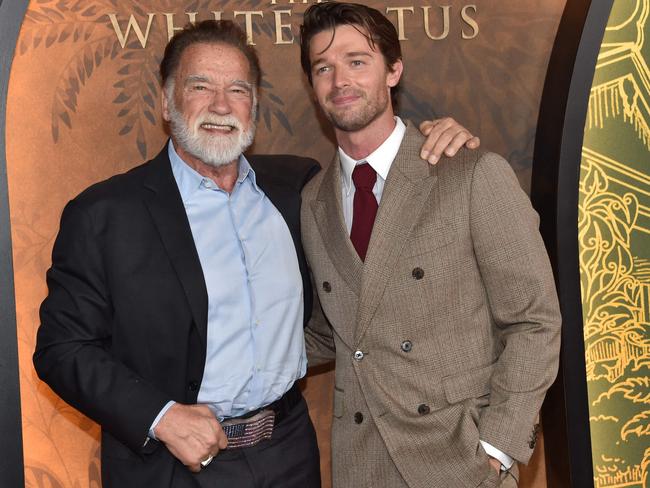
(614, 245)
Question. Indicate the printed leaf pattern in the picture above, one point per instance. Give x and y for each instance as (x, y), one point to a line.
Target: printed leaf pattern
(635, 389)
(615, 287)
(638, 425)
(87, 25)
(40, 477)
(94, 471)
(74, 77)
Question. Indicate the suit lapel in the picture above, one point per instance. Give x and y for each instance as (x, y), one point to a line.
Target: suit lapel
(407, 188)
(329, 220)
(168, 213)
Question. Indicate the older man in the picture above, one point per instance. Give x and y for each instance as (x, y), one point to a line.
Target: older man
(178, 292)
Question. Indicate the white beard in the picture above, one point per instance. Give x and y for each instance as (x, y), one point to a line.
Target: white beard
(218, 150)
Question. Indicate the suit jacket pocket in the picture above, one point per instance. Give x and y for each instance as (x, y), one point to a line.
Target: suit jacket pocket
(474, 383)
(337, 410)
(423, 243)
(493, 479)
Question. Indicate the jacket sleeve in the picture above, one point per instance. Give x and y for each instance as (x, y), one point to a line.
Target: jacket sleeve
(73, 347)
(521, 292)
(319, 341)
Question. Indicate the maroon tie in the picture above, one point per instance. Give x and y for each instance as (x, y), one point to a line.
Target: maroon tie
(364, 208)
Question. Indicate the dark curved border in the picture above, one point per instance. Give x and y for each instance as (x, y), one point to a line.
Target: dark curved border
(11, 444)
(556, 176)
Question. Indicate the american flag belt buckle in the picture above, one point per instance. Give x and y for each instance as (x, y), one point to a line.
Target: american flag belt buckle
(249, 431)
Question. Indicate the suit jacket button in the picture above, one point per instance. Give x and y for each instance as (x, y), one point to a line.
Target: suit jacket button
(417, 273)
(407, 346)
(327, 287)
(193, 386)
(358, 418)
(358, 355)
(424, 409)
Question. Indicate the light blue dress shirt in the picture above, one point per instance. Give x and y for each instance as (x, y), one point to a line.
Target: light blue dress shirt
(255, 343)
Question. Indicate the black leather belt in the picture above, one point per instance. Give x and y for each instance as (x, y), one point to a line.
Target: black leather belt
(257, 425)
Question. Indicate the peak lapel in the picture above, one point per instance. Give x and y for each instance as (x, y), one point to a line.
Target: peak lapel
(409, 183)
(167, 211)
(329, 220)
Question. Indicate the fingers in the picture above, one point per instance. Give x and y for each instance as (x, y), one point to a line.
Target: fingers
(473, 143)
(445, 136)
(222, 441)
(204, 462)
(426, 126)
(192, 434)
(194, 461)
(455, 143)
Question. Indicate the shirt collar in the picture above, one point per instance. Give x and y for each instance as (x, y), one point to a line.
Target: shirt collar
(189, 180)
(380, 159)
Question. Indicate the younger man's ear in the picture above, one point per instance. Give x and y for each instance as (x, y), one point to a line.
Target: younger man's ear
(395, 73)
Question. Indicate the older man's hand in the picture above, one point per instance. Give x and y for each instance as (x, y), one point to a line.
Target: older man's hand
(445, 135)
(191, 433)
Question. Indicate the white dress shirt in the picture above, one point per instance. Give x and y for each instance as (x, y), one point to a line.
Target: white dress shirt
(380, 160)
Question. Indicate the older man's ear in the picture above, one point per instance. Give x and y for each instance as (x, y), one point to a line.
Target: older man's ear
(445, 136)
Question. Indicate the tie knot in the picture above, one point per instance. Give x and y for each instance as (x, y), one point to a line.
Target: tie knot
(364, 177)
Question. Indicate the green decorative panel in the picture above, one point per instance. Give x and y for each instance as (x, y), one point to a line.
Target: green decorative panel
(614, 240)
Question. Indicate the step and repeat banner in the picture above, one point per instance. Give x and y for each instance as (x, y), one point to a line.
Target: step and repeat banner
(83, 103)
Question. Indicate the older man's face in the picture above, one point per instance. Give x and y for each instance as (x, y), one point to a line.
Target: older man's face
(211, 104)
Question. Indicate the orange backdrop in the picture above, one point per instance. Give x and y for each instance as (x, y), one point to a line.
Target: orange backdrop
(84, 103)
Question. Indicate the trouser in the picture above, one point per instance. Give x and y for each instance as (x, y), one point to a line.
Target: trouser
(290, 459)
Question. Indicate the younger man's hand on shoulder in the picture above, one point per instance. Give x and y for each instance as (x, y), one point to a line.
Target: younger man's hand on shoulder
(445, 136)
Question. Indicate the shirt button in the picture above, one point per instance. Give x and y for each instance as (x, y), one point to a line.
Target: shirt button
(407, 346)
(358, 355)
(327, 287)
(193, 386)
(417, 273)
(358, 418)
(423, 409)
